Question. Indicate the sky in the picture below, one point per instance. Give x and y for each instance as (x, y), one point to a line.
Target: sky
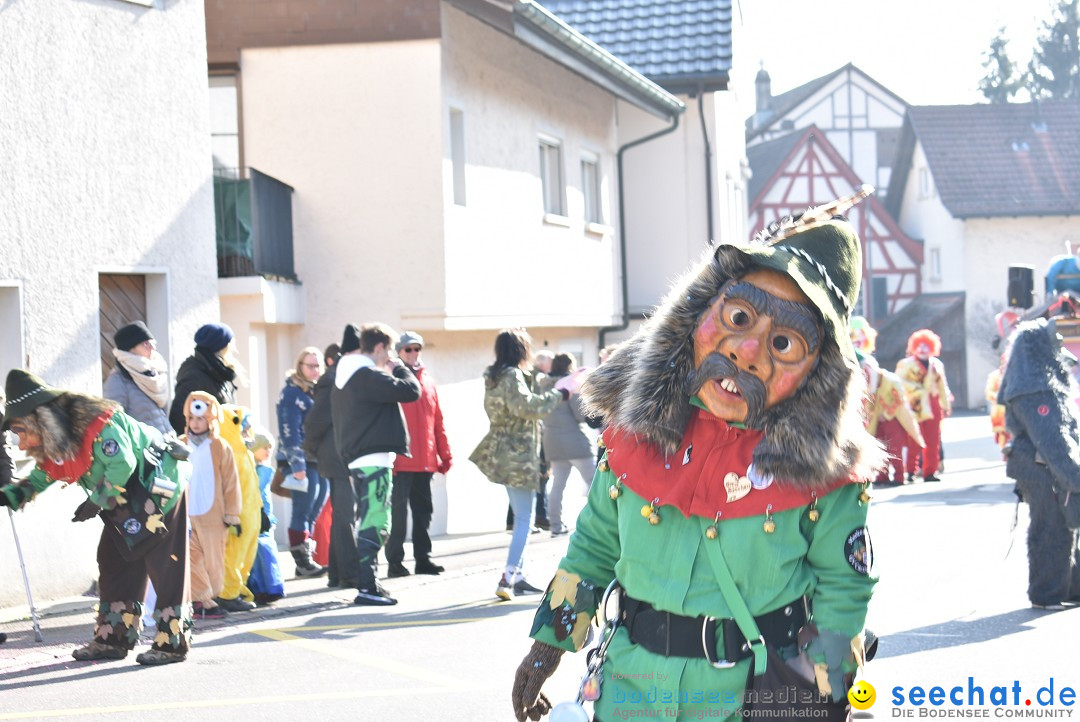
(929, 52)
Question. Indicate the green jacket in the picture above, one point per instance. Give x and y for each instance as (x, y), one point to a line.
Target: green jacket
(668, 565)
(117, 451)
(510, 452)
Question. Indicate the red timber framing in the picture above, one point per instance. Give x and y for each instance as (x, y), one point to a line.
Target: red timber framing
(814, 173)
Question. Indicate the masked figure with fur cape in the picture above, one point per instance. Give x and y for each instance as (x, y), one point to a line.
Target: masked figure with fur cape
(119, 463)
(734, 434)
(1039, 395)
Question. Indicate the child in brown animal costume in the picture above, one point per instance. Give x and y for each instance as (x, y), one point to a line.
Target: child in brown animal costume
(214, 502)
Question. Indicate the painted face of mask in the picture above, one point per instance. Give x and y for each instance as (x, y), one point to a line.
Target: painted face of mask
(754, 346)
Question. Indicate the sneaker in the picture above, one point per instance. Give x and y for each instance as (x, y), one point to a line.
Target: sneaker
(234, 605)
(560, 532)
(99, 650)
(911, 478)
(523, 587)
(931, 477)
(426, 566)
(397, 569)
(154, 657)
(201, 611)
(311, 570)
(374, 597)
(503, 590)
(542, 523)
(1049, 607)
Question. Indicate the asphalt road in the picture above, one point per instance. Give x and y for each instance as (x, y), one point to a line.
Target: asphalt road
(950, 605)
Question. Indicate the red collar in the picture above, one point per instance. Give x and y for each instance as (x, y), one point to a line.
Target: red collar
(69, 471)
(692, 480)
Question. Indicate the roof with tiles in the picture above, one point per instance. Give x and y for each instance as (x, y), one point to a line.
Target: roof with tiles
(1012, 159)
(679, 44)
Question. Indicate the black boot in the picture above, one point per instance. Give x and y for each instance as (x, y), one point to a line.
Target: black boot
(305, 566)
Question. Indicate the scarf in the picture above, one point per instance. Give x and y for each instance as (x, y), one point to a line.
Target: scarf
(149, 374)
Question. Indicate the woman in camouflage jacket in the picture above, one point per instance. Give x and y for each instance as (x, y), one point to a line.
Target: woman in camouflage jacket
(510, 452)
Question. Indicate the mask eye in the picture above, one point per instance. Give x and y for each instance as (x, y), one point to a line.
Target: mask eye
(739, 318)
(198, 408)
(781, 344)
(788, 346)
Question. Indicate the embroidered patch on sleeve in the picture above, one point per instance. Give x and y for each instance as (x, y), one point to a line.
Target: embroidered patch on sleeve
(858, 551)
(1044, 410)
(110, 448)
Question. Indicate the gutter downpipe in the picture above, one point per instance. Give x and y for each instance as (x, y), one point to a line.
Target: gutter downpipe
(708, 168)
(625, 285)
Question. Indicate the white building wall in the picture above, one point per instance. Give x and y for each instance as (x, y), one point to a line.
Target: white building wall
(106, 167)
(992, 245)
(552, 272)
(924, 217)
(367, 206)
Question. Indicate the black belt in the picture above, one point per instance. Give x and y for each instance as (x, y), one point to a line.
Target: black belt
(673, 635)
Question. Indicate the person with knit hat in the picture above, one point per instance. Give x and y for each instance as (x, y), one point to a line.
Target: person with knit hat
(212, 367)
(729, 511)
(928, 393)
(139, 491)
(139, 381)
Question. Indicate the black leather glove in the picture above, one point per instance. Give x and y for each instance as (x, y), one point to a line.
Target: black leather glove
(86, 510)
(235, 529)
(264, 522)
(539, 664)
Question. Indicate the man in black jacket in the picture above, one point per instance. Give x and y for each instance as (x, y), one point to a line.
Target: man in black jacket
(370, 385)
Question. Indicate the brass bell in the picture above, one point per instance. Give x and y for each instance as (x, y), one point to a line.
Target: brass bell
(711, 532)
(769, 526)
(603, 466)
(654, 518)
(814, 514)
(647, 510)
(863, 496)
(613, 492)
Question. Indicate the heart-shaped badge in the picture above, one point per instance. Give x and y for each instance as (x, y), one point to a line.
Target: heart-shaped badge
(736, 486)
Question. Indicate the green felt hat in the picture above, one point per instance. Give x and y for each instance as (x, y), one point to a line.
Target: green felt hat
(825, 261)
(25, 392)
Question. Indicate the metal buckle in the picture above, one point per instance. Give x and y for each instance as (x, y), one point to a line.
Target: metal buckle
(705, 646)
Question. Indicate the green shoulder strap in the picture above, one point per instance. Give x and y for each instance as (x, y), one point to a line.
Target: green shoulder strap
(738, 607)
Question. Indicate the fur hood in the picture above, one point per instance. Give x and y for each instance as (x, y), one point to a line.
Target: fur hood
(1037, 362)
(813, 438)
(63, 421)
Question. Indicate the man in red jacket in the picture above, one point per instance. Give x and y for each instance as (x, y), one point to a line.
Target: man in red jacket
(412, 476)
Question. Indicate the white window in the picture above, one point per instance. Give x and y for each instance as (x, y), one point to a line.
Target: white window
(590, 188)
(551, 176)
(457, 153)
(12, 354)
(224, 122)
(925, 184)
(935, 264)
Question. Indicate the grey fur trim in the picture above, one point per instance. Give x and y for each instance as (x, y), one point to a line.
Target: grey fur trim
(63, 422)
(813, 438)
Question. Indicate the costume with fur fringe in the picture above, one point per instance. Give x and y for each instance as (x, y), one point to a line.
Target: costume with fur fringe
(1039, 395)
(87, 440)
(812, 542)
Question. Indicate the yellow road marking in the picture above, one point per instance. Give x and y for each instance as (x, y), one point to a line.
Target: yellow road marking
(368, 660)
(157, 707)
(378, 625)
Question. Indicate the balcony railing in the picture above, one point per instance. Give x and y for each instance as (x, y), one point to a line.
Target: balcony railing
(253, 217)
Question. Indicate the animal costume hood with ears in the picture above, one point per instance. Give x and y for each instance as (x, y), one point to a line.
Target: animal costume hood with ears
(200, 403)
(813, 438)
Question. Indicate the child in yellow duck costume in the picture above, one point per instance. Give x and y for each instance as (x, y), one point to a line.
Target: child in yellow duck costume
(240, 550)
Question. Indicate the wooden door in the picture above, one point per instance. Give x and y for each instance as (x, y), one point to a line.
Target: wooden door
(123, 300)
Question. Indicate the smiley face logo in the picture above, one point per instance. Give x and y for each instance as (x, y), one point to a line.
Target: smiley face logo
(862, 695)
